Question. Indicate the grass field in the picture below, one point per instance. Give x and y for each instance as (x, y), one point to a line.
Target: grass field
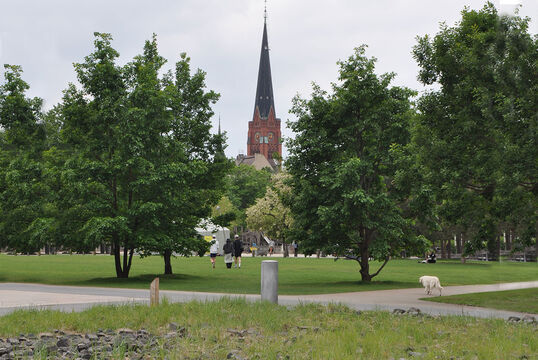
(525, 300)
(296, 275)
(304, 332)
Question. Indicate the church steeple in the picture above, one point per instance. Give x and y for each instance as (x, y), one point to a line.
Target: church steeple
(264, 135)
(264, 91)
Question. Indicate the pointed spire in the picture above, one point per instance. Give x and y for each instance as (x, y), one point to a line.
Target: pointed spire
(220, 143)
(264, 91)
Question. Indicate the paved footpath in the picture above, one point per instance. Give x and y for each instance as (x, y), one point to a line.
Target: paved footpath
(15, 296)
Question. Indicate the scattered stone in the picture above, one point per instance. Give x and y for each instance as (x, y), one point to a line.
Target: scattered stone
(398, 311)
(51, 348)
(514, 319)
(46, 336)
(239, 333)
(63, 342)
(415, 354)
(82, 346)
(234, 354)
(125, 331)
(313, 328)
(413, 311)
(85, 354)
(101, 345)
(13, 341)
(529, 319)
(92, 337)
(291, 340)
(170, 335)
(173, 326)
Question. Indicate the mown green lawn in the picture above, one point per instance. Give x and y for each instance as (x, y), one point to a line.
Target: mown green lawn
(525, 300)
(296, 275)
(304, 332)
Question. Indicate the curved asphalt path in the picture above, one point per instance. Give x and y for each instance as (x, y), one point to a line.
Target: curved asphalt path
(14, 296)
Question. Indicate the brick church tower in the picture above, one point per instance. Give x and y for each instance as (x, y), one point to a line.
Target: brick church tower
(264, 130)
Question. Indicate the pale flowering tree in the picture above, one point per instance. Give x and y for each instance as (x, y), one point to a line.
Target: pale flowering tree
(269, 214)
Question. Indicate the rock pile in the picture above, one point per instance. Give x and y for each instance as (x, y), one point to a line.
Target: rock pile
(101, 345)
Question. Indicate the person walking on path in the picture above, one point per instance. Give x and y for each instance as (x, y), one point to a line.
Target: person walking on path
(238, 250)
(295, 246)
(271, 247)
(213, 250)
(228, 250)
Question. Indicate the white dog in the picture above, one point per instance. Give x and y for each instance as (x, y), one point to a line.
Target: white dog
(430, 283)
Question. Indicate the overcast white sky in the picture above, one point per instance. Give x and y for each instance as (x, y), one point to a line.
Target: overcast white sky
(223, 38)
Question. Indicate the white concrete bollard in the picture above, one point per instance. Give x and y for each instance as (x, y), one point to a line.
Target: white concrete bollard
(269, 281)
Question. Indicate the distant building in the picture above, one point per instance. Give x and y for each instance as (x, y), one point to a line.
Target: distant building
(264, 137)
(257, 160)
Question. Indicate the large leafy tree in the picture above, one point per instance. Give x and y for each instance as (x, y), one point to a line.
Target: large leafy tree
(342, 165)
(142, 168)
(22, 187)
(270, 213)
(245, 184)
(477, 132)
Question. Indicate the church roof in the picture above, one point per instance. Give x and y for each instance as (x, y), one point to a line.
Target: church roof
(264, 91)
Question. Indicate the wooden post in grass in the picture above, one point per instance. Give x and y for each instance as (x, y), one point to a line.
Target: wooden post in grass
(269, 281)
(154, 292)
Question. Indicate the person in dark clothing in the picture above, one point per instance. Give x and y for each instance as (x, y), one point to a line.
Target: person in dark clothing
(238, 250)
(228, 250)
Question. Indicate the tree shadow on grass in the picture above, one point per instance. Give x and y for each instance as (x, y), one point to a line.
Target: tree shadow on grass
(324, 287)
(457, 262)
(139, 281)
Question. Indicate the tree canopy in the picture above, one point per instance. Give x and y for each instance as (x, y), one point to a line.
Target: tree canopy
(22, 189)
(476, 135)
(270, 213)
(143, 168)
(342, 165)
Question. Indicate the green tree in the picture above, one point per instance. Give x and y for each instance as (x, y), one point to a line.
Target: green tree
(142, 169)
(476, 134)
(224, 213)
(270, 214)
(22, 189)
(245, 184)
(342, 165)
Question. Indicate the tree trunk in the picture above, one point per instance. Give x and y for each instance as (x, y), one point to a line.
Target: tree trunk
(498, 247)
(536, 239)
(442, 243)
(117, 260)
(509, 237)
(458, 243)
(365, 255)
(365, 266)
(286, 250)
(122, 273)
(167, 264)
(449, 248)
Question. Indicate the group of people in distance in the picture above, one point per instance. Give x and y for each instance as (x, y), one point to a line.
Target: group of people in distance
(231, 250)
